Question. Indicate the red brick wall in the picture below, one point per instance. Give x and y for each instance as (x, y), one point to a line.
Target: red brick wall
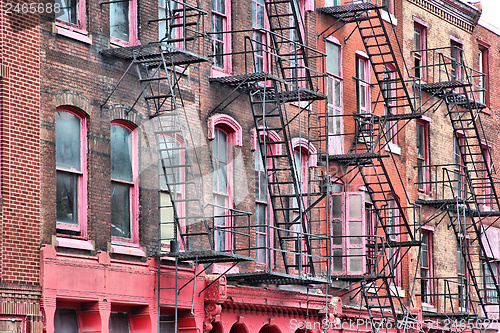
(20, 147)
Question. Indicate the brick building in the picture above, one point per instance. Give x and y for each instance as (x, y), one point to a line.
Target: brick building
(20, 165)
(262, 166)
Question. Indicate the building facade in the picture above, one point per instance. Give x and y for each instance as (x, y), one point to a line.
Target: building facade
(265, 166)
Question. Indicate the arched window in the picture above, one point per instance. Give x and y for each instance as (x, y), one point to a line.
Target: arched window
(71, 166)
(124, 178)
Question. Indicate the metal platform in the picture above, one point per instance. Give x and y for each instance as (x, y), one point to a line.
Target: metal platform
(269, 277)
(437, 203)
(356, 278)
(439, 87)
(235, 80)
(173, 56)
(207, 257)
(362, 158)
(396, 117)
(349, 13)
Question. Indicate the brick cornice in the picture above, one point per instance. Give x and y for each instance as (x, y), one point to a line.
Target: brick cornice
(459, 14)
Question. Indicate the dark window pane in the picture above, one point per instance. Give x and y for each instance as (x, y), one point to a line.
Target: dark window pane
(67, 197)
(120, 210)
(118, 20)
(118, 323)
(67, 11)
(67, 141)
(66, 321)
(121, 153)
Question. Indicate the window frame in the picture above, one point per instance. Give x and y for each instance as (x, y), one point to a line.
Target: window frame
(226, 68)
(76, 31)
(362, 61)
(390, 6)
(456, 53)
(390, 108)
(423, 170)
(347, 246)
(483, 67)
(134, 187)
(487, 193)
(180, 191)
(132, 26)
(260, 36)
(490, 290)
(335, 112)
(394, 236)
(419, 55)
(81, 227)
(428, 269)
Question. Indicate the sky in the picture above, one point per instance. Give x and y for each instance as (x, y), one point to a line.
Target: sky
(491, 12)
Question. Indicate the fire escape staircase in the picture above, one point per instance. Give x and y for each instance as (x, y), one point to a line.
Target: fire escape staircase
(467, 215)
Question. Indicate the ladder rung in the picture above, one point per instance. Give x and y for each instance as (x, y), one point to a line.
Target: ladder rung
(157, 96)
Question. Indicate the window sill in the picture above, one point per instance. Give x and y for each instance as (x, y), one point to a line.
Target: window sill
(393, 148)
(426, 307)
(217, 72)
(81, 36)
(113, 41)
(127, 250)
(221, 268)
(397, 291)
(390, 18)
(487, 111)
(73, 243)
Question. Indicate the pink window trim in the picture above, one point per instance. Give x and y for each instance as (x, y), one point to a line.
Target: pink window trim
(128, 250)
(270, 135)
(82, 182)
(362, 56)
(228, 63)
(430, 270)
(133, 32)
(81, 26)
(309, 147)
(73, 243)
(181, 209)
(82, 37)
(229, 125)
(229, 181)
(134, 191)
(425, 122)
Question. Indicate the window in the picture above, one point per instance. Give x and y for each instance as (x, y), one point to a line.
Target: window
(483, 69)
(124, 189)
(331, 3)
(419, 56)
(172, 173)
(462, 247)
(334, 98)
(221, 156)
(363, 85)
(301, 165)
(389, 92)
(71, 166)
(423, 174)
(119, 323)
(348, 228)
(490, 280)
(487, 191)
(221, 24)
(392, 233)
(458, 169)
(66, 321)
(262, 212)
(260, 37)
(72, 15)
(456, 61)
(123, 23)
(426, 267)
(389, 6)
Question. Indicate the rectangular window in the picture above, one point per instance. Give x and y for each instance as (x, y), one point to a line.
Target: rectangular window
(456, 61)
(483, 76)
(334, 98)
(260, 37)
(71, 16)
(487, 191)
(221, 24)
(458, 169)
(392, 233)
(171, 175)
(123, 23)
(348, 228)
(389, 92)
(462, 247)
(124, 199)
(119, 323)
(71, 165)
(363, 85)
(490, 280)
(426, 267)
(221, 157)
(419, 56)
(66, 321)
(162, 14)
(423, 174)
(389, 6)
(262, 214)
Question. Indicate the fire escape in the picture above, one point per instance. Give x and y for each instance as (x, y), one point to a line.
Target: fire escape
(465, 192)
(368, 157)
(280, 94)
(188, 231)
